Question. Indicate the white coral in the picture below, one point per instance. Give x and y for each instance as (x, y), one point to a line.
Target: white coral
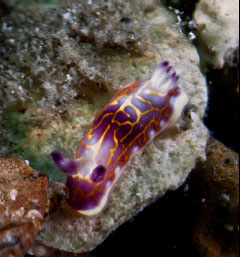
(218, 28)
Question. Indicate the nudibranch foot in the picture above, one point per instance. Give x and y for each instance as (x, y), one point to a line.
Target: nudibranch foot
(126, 125)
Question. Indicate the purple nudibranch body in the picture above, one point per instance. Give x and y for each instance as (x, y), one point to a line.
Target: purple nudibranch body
(132, 119)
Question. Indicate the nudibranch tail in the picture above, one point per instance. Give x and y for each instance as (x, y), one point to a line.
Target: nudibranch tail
(126, 125)
(66, 165)
(180, 104)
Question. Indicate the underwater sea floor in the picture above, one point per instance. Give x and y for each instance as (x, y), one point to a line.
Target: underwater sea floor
(59, 65)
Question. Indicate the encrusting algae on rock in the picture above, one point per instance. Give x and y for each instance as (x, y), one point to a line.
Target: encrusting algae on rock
(23, 203)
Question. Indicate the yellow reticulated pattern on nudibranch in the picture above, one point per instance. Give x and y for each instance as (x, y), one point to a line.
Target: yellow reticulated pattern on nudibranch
(131, 120)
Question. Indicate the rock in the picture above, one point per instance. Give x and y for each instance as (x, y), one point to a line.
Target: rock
(67, 64)
(216, 227)
(58, 194)
(39, 250)
(23, 201)
(218, 30)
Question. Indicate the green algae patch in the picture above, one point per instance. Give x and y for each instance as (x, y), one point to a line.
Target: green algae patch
(27, 143)
(37, 132)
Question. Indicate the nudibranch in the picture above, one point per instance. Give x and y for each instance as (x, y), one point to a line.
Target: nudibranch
(132, 119)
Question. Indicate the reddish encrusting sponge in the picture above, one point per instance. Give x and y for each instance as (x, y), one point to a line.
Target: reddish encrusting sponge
(131, 120)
